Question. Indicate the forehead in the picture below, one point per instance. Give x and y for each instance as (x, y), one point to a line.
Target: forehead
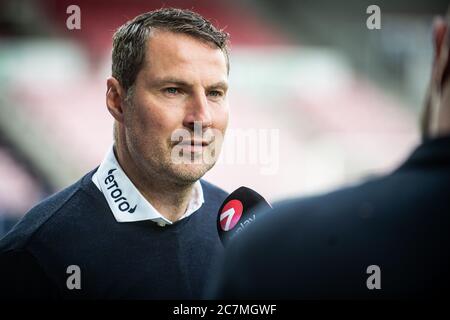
(181, 55)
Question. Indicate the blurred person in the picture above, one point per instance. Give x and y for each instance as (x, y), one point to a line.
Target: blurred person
(385, 238)
(141, 225)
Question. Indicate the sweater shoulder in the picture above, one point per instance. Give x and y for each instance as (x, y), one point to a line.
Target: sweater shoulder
(40, 215)
(213, 192)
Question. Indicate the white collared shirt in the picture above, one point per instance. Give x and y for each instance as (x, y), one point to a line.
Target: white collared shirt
(126, 202)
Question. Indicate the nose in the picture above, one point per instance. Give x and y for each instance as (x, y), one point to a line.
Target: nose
(198, 112)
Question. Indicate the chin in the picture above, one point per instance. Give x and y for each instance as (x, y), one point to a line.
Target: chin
(190, 173)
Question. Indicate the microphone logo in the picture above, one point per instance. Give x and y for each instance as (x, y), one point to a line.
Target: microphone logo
(230, 215)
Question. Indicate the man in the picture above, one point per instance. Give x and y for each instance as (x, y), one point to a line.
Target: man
(387, 238)
(142, 225)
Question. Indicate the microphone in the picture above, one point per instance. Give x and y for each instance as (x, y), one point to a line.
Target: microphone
(238, 211)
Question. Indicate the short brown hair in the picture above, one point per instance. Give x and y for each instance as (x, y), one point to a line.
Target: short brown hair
(129, 41)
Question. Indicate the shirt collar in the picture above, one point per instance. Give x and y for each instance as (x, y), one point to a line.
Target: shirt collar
(124, 199)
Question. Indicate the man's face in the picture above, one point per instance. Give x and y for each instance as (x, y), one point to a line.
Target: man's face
(183, 80)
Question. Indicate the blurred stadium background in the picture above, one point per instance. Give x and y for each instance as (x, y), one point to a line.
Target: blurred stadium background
(346, 100)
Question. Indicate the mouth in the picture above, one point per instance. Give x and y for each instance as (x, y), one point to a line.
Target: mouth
(196, 143)
(193, 146)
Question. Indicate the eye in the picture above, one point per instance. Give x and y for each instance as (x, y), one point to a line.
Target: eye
(215, 93)
(171, 90)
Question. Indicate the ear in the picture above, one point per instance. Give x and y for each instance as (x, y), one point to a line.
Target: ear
(432, 116)
(115, 97)
(441, 38)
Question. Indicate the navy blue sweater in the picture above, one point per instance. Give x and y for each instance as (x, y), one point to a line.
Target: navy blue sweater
(133, 260)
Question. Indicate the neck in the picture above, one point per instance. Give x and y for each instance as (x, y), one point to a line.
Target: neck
(169, 199)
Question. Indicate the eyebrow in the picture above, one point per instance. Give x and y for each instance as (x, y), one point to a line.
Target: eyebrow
(221, 84)
(162, 81)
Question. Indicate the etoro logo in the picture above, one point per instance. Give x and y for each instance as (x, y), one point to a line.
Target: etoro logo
(230, 215)
(116, 193)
